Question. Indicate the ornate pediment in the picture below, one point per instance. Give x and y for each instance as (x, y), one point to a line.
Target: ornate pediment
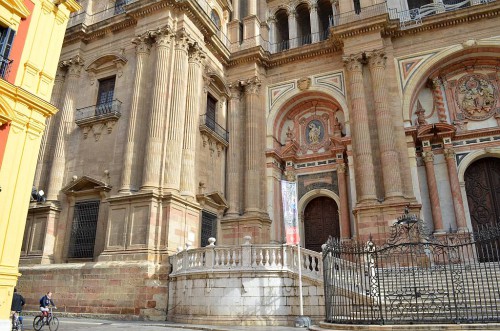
(213, 199)
(16, 10)
(290, 150)
(85, 184)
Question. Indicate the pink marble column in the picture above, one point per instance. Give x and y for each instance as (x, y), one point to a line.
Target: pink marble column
(142, 47)
(365, 176)
(428, 158)
(345, 224)
(194, 79)
(387, 142)
(456, 193)
(154, 140)
(57, 171)
(234, 155)
(175, 129)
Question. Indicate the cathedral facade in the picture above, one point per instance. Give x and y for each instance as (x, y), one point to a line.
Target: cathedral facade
(178, 120)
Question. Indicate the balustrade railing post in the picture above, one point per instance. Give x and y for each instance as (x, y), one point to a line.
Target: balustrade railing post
(246, 252)
(210, 253)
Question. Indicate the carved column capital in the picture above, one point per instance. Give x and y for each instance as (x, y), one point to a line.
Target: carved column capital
(235, 89)
(353, 62)
(142, 44)
(162, 36)
(182, 40)
(252, 85)
(341, 168)
(376, 59)
(449, 153)
(196, 55)
(428, 156)
(73, 65)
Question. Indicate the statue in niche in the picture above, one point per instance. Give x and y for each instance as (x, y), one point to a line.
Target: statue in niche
(314, 134)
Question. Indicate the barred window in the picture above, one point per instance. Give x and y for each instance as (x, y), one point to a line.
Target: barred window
(84, 229)
(105, 95)
(208, 227)
(6, 40)
(211, 112)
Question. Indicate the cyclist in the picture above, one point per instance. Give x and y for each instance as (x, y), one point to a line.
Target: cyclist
(45, 302)
(17, 306)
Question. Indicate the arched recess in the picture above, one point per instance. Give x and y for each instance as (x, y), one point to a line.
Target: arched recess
(306, 200)
(291, 100)
(420, 76)
(303, 24)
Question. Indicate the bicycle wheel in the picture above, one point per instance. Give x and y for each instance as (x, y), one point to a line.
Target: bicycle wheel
(53, 323)
(38, 323)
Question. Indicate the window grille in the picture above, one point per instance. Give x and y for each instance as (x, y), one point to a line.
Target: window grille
(208, 227)
(105, 95)
(83, 230)
(6, 40)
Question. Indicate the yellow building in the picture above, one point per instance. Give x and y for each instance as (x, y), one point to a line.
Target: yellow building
(31, 36)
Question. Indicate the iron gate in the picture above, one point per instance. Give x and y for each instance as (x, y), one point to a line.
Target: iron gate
(414, 277)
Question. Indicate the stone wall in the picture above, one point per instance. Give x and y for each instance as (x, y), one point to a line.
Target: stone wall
(244, 298)
(134, 290)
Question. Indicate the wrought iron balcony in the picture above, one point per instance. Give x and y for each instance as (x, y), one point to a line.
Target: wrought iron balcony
(211, 127)
(101, 112)
(5, 67)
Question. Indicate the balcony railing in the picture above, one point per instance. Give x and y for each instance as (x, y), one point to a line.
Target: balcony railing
(89, 19)
(98, 112)
(413, 17)
(354, 16)
(206, 122)
(4, 67)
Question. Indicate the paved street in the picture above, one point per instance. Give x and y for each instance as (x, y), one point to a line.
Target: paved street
(70, 324)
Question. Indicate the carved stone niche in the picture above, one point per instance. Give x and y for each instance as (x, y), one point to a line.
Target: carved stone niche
(106, 64)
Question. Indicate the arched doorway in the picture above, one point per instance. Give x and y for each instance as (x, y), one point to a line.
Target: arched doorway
(482, 184)
(321, 220)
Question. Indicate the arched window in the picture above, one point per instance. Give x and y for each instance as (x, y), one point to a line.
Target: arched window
(282, 38)
(215, 18)
(325, 11)
(303, 24)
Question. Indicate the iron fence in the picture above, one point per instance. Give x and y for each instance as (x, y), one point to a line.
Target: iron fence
(5, 64)
(414, 277)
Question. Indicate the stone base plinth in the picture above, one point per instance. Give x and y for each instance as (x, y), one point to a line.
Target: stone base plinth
(130, 290)
(234, 229)
(323, 326)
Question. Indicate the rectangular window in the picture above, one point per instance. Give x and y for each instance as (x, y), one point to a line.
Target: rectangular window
(208, 227)
(105, 95)
(211, 112)
(6, 40)
(83, 230)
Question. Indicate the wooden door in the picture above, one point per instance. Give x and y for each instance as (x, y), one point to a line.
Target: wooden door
(321, 220)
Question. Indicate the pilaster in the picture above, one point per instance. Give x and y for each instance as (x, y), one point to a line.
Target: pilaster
(365, 175)
(345, 224)
(388, 153)
(74, 68)
(458, 204)
(194, 80)
(175, 128)
(154, 140)
(143, 48)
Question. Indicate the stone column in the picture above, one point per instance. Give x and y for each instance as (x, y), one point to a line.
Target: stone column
(152, 161)
(74, 66)
(428, 158)
(272, 34)
(50, 126)
(142, 47)
(365, 176)
(175, 129)
(458, 204)
(292, 28)
(234, 155)
(236, 10)
(252, 8)
(334, 11)
(437, 93)
(344, 202)
(387, 141)
(194, 80)
(253, 148)
(313, 16)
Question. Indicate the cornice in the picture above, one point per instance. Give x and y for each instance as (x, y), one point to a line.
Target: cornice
(374, 23)
(303, 52)
(30, 100)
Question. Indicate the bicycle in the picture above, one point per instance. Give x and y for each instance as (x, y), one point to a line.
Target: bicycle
(50, 320)
(17, 322)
